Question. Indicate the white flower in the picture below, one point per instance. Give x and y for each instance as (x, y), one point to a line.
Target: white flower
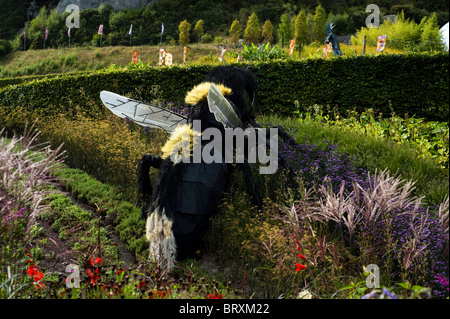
(304, 294)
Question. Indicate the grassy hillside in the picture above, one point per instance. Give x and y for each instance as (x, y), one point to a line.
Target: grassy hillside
(48, 61)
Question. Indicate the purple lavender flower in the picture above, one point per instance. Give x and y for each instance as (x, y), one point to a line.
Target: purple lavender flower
(442, 280)
(389, 294)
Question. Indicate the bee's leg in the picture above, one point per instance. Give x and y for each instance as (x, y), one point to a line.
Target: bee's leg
(143, 180)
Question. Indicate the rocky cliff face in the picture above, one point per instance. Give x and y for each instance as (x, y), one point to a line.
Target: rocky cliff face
(117, 4)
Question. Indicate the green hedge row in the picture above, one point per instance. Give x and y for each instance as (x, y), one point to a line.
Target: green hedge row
(413, 84)
(23, 79)
(416, 84)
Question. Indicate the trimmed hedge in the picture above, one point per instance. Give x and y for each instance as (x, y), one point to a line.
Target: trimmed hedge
(23, 79)
(416, 84)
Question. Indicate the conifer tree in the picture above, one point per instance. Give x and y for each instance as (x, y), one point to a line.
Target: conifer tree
(198, 29)
(267, 32)
(253, 31)
(301, 33)
(284, 29)
(309, 26)
(184, 29)
(320, 21)
(235, 31)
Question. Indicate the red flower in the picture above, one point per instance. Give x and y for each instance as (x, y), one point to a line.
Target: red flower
(159, 293)
(93, 276)
(96, 262)
(37, 276)
(141, 284)
(214, 296)
(301, 256)
(300, 267)
(118, 272)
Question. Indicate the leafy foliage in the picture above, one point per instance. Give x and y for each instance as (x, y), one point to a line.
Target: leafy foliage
(5, 47)
(404, 34)
(346, 83)
(235, 32)
(184, 29)
(252, 32)
(262, 52)
(267, 32)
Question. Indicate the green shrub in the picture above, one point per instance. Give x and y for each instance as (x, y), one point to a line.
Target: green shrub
(5, 47)
(418, 86)
(206, 38)
(262, 53)
(404, 34)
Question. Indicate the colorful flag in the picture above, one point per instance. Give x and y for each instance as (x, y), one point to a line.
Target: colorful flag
(24, 35)
(131, 30)
(239, 58)
(68, 32)
(100, 29)
(162, 28)
(381, 42)
(168, 60)
(162, 54)
(46, 34)
(291, 46)
(224, 50)
(135, 57)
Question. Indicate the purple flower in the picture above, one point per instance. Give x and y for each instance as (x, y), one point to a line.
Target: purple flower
(389, 294)
(442, 280)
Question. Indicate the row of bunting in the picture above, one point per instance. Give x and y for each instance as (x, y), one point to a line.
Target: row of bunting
(100, 31)
(166, 58)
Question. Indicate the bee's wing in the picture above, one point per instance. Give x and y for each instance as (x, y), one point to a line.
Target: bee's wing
(142, 113)
(222, 109)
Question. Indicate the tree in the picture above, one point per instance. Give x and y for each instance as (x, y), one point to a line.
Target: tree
(235, 31)
(184, 29)
(267, 32)
(252, 32)
(309, 26)
(284, 29)
(319, 24)
(119, 22)
(301, 34)
(35, 29)
(198, 30)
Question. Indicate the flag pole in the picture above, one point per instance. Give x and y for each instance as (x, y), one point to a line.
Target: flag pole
(45, 36)
(131, 32)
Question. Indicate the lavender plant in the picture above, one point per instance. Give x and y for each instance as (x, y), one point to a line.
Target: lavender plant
(23, 174)
(315, 164)
(383, 223)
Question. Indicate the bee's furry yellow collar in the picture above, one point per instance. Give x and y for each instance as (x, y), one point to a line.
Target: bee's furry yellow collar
(200, 92)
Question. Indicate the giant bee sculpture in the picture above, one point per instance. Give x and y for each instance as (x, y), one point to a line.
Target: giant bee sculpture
(187, 193)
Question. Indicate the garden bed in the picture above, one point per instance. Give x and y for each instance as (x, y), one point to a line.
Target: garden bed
(249, 253)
